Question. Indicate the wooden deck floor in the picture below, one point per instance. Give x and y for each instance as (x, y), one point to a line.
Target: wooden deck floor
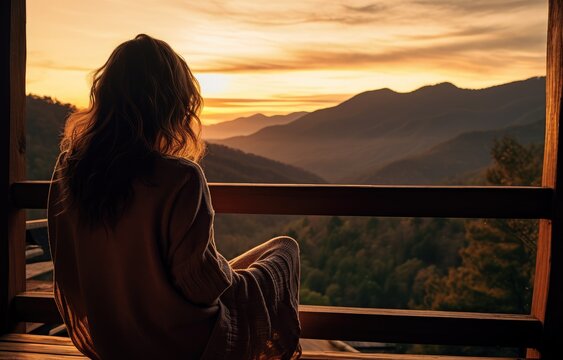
(40, 347)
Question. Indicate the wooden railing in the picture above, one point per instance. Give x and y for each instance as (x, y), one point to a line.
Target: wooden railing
(385, 325)
(354, 200)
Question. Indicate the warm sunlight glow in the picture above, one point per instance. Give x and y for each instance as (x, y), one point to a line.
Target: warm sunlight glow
(213, 84)
(285, 56)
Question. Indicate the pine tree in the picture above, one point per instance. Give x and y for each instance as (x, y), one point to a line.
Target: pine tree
(498, 260)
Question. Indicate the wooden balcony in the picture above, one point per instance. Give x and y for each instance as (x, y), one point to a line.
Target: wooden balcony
(382, 325)
(541, 331)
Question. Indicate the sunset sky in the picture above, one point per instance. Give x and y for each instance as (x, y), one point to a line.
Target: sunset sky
(281, 56)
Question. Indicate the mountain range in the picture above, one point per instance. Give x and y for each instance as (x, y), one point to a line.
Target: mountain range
(359, 137)
(438, 134)
(45, 118)
(247, 125)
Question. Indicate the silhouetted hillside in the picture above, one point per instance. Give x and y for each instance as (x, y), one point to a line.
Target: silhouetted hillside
(45, 118)
(378, 127)
(247, 125)
(453, 160)
(224, 164)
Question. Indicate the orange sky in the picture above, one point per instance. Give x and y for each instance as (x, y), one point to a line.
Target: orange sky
(282, 56)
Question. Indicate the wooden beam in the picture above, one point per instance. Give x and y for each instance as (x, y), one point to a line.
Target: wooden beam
(355, 200)
(547, 303)
(12, 133)
(385, 325)
(419, 327)
(340, 355)
(37, 307)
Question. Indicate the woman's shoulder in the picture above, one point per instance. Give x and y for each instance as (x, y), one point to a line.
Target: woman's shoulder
(179, 167)
(187, 174)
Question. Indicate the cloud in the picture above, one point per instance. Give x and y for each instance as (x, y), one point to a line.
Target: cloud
(51, 65)
(469, 31)
(277, 104)
(468, 48)
(369, 8)
(383, 34)
(293, 12)
(280, 100)
(474, 7)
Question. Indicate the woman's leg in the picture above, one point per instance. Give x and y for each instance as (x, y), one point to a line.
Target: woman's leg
(264, 297)
(244, 260)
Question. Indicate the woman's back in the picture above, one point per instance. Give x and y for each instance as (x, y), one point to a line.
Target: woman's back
(120, 278)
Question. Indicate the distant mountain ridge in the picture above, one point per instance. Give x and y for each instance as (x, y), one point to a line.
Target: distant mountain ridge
(224, 164)
(429, 136)
(378, 127)
(452, 161)
(45, 119)
(247, 125)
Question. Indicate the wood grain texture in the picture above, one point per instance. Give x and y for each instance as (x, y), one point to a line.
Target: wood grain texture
(39, 348)
(547, 302)
(384, 325)
(12, 154)
(40, 339)
(355, 200)
(331, 355)
(9, 355)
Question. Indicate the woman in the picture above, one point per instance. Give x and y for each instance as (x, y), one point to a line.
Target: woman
(137, 273)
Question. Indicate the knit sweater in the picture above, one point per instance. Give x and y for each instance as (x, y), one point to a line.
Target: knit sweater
(154, 286)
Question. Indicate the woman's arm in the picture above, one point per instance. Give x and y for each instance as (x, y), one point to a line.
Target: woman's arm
(197, 269)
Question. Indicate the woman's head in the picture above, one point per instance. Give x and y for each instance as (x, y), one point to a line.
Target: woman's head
(144, 101)
(146, 94)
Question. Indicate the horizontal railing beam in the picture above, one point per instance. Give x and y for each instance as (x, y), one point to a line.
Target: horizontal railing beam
(362, 324)
(420, 327)
(354, 200)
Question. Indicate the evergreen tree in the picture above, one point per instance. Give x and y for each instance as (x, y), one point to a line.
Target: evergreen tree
(499, 258)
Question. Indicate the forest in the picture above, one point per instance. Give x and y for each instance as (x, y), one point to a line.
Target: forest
(483, 265)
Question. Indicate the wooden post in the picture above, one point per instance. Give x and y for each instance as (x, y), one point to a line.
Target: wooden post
(12, 143)
(547, 303)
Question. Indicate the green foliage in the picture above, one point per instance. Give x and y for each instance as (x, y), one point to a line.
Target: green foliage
(312, 297)
(499, 258)
(515, 164)
(45, 118)
(372, 262)
(494, 276)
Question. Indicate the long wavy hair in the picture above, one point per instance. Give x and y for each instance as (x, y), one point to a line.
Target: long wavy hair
(144, 103)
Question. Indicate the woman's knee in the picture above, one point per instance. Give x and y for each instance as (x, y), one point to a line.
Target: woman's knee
(286, 241)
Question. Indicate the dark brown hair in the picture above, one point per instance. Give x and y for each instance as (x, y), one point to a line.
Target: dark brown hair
(144, 102)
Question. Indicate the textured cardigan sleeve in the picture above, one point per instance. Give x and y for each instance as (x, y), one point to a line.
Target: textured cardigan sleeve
(197, 269)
